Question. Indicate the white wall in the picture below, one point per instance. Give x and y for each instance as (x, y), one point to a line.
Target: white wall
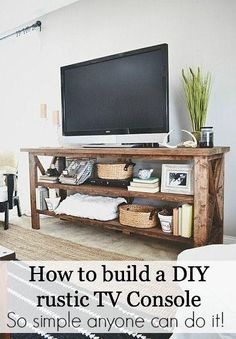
(199, 32)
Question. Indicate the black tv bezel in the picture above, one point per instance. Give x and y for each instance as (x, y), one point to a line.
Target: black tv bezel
(114, 131)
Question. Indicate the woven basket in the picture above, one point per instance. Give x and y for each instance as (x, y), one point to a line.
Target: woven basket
(115, 171)
(141, 216)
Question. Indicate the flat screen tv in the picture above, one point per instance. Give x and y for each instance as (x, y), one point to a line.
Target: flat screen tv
(118, 98)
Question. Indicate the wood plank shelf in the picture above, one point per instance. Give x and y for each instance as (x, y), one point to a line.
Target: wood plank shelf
(208, 198)
(154, 232)
(122, 192)
(142, 153)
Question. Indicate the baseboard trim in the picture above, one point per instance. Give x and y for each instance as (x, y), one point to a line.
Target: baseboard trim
(228, 239)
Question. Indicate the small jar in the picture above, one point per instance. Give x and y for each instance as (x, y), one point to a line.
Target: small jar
(206, 139)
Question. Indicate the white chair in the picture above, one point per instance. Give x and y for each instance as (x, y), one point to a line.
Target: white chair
(8, 177)
(216, 252)
(209, 252)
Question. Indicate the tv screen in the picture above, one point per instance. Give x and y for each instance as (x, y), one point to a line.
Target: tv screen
(126, 93)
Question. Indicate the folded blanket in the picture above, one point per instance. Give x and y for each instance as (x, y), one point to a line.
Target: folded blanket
(92, 207)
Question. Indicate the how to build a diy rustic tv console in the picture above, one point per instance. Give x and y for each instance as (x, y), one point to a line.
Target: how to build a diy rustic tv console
(208, 197)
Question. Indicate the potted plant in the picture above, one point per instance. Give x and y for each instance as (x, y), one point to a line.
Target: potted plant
(197, 88)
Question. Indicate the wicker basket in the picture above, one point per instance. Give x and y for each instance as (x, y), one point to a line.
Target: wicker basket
(138, 216)
(115, 171)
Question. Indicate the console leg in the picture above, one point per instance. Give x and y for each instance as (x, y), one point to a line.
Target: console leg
(33, 184)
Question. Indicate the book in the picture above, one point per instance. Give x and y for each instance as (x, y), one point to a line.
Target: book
(46, 178)
(41, 194)
(52, 193)
(187, 220)
(144, 184)
(180, 221)
(151, 180)
(175, 221)
(144, 189)
(68, 181)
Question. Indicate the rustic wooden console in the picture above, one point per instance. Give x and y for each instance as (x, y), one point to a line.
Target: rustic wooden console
(208, 198)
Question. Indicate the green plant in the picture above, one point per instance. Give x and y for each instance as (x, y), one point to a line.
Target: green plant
(197, 91)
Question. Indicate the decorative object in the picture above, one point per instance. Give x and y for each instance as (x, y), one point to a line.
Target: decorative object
(188, 143)
(115, 171)
(206, 140)
(166, 216)
(140, 216)
(197, 91)
(49, 126)
(145, 173)
(43, 127)
(177, 178)
(57, 127)
(77, 172)
(55, 118)
(52, 171)
(52, 203)
(43, 111)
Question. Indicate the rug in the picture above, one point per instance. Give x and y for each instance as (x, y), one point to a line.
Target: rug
(33, 245)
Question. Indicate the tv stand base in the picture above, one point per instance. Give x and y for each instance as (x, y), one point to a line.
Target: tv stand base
(208, 198)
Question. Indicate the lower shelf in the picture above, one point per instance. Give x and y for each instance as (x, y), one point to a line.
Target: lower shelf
(154, 232)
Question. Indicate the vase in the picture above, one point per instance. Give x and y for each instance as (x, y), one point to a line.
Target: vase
(197, 135)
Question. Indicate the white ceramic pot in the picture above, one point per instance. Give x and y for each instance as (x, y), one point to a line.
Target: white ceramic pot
(166, 222)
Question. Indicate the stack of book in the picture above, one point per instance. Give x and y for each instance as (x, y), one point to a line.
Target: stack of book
(68, 180)
(183, 221)
(47, 178)
(151, 185)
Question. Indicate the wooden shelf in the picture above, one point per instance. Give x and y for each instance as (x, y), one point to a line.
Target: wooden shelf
(154, 232)
(143, 153)
(122, 192)
(208, 187)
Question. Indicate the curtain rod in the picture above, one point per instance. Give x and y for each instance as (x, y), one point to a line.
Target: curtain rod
(24, 30)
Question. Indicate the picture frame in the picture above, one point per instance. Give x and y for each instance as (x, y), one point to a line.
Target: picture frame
(177, 178)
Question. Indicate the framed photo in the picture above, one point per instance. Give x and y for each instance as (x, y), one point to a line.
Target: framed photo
(177, 178)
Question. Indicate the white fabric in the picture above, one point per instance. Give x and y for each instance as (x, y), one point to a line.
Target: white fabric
(8, 159)
(3, 193)
(92, 207)
(210, 252)
(8, 164)
(7, 170)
